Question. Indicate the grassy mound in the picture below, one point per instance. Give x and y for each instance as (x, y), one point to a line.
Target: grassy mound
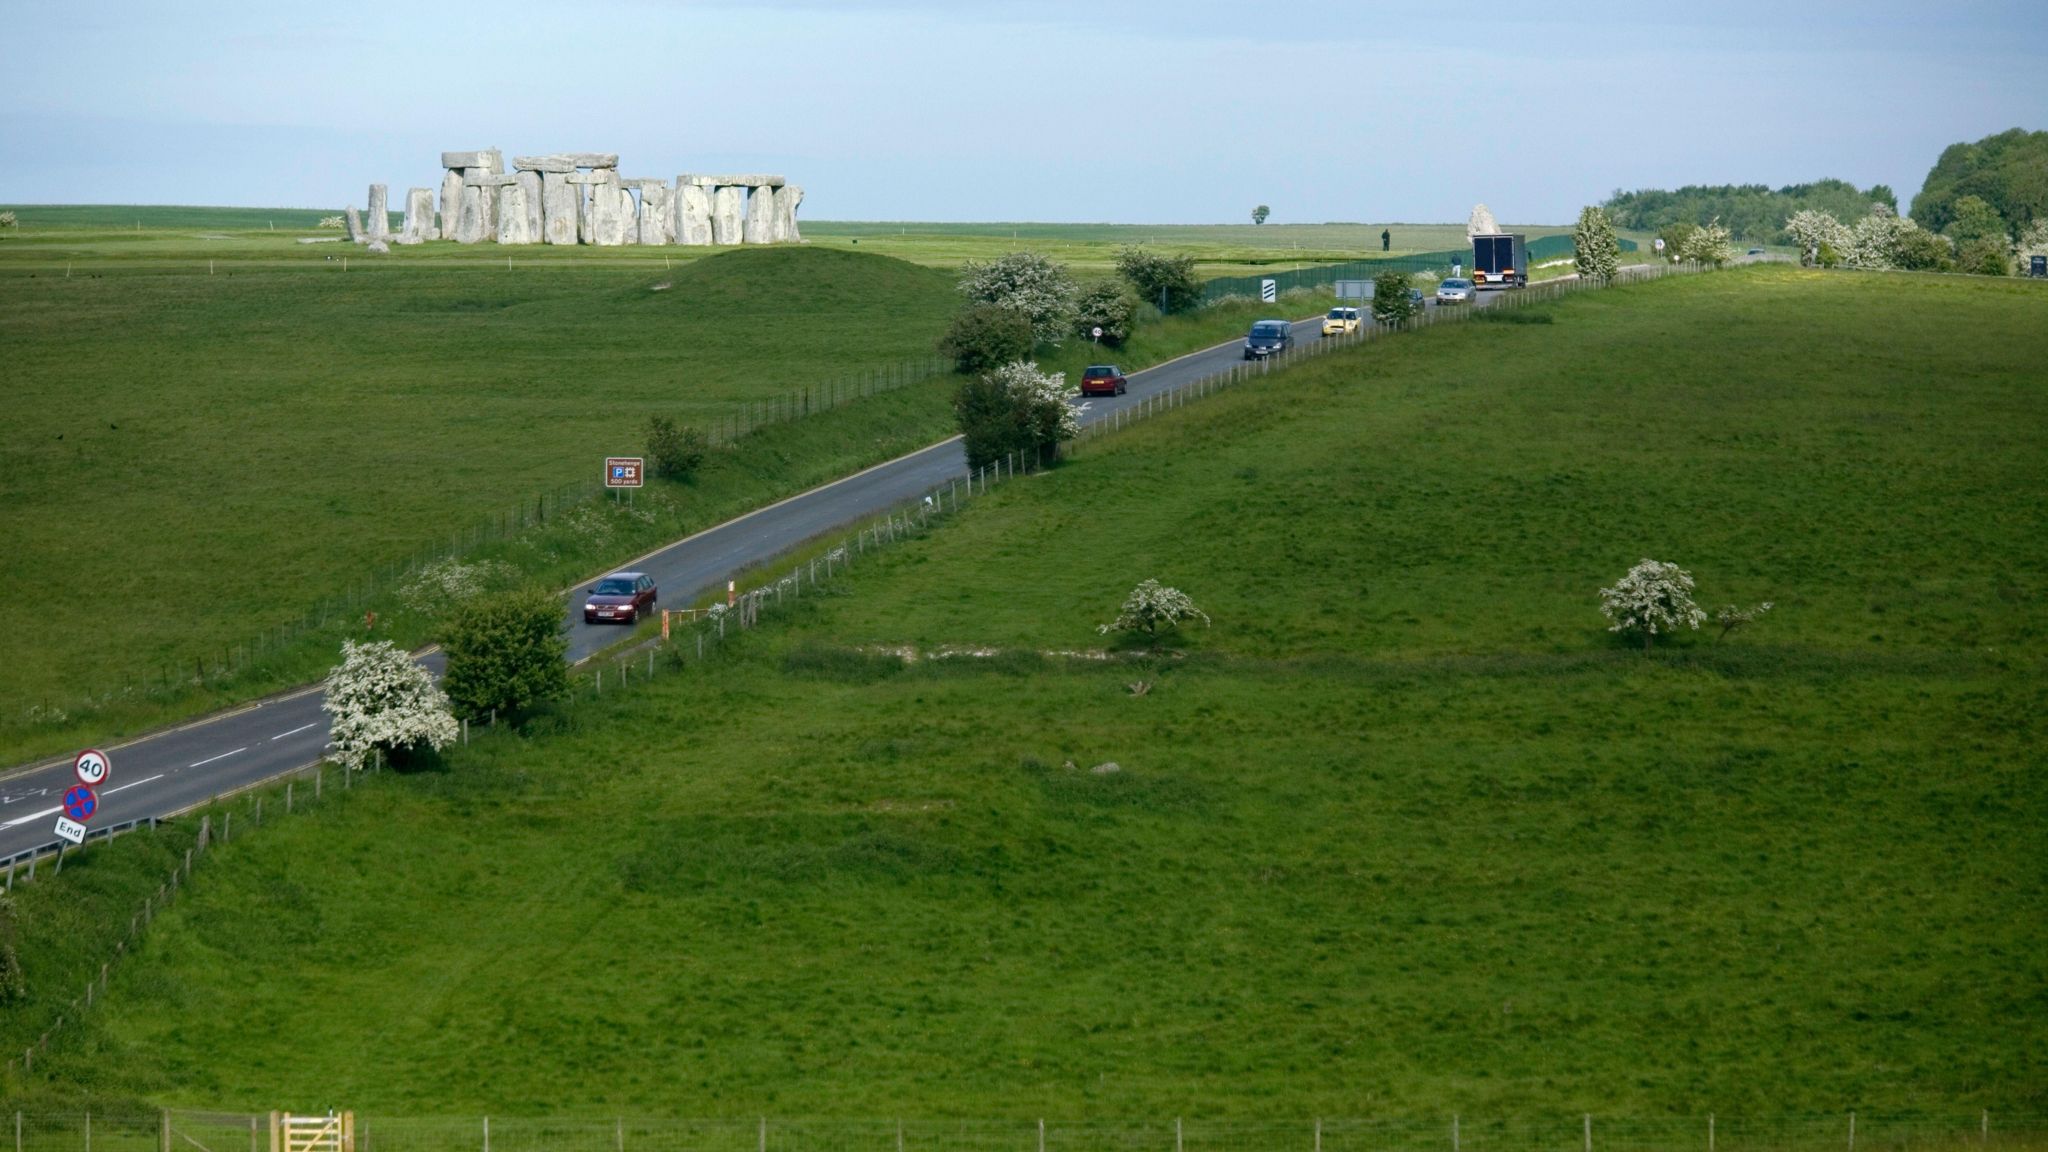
(1404, 833)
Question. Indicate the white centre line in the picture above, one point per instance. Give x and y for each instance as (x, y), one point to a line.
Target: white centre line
(296, 731)
(32, 816)
(132, 784)
(222, 756)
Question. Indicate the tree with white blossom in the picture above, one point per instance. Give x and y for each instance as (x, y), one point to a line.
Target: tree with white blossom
(1708, 244)
(1038, 286)
(2035, 241)
(1152, 606)
(1015, 409)
(1819, 235)
(1595, 251)
(1653, 598)
(1875, 240)
(380, 699)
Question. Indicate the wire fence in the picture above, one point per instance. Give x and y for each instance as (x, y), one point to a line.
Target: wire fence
(187, 1131)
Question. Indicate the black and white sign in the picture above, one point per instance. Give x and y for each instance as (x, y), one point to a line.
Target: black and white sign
(71, 830)
(93, 767)
(1269, 290)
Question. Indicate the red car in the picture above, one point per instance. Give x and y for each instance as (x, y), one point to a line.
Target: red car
(1102, 380)
(620, 597)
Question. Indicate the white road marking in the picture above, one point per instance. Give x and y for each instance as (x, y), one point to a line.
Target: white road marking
(32, 816)
(222, 756)
(133, 783)
(296, 731)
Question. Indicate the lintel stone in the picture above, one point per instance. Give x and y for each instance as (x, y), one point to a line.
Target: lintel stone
(743, 181)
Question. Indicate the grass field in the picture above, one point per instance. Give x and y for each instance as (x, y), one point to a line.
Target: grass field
(220, 453)
(228, 452)
(1405, 833)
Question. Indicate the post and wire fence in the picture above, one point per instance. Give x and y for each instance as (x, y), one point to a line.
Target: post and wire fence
(199, 1131)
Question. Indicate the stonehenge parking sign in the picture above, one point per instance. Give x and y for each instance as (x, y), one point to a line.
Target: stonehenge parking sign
(623, 471)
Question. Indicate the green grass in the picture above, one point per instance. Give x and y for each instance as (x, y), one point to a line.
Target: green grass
(221, 453)
(1405, 833)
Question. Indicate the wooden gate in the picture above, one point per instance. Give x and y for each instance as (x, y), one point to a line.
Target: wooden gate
(329, 1133)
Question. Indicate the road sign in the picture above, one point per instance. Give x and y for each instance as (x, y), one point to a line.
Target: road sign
(80, 802)
(71, 831)
(1096, 332)
(92, 767)
(1351, 289)
(1269, 290)
(1660, 244)
(623, 471)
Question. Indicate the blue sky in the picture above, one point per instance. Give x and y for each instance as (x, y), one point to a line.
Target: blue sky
(1150, 112)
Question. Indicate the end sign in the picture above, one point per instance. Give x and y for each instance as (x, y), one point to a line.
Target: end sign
(623, 471)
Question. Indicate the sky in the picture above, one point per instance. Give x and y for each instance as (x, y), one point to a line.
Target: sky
(1186, 111)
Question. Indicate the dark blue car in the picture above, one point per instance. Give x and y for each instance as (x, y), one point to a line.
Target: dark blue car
(1267, 338)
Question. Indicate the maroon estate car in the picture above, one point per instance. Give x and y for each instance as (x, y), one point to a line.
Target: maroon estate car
(620, 597)
(1102, 380)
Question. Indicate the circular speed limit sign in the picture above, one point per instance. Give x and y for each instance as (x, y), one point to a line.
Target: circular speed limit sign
(92, 767)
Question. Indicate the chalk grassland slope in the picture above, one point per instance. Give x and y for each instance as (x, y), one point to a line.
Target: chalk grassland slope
(1404, 833)
(192, 460)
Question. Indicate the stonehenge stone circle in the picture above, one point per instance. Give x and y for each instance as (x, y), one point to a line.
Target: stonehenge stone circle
(579, 198)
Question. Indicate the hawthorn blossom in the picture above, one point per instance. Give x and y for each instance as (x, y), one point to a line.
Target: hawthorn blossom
(1152, 606)
(1654, 597)
(380, 699)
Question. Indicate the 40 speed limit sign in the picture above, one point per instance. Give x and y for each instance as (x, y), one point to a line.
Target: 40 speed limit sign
(93, 766)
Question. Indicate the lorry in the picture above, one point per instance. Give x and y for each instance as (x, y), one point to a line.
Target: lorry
(1500, 260)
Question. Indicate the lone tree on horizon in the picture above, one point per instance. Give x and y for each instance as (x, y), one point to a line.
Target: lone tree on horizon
(1260, 213)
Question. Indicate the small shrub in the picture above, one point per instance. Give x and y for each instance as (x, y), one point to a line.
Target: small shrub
(1391, 303)
(335, 223)
(986, 336)
(1709, 244)
(1596, 253)
(1731, 618)
(674, 450)
(1152, 606)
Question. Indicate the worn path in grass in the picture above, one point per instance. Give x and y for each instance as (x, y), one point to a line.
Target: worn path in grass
(1405, 832)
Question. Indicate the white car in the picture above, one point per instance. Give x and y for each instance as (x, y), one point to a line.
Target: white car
(1454, 292)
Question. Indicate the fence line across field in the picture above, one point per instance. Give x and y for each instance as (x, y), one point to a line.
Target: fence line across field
(187, 1131)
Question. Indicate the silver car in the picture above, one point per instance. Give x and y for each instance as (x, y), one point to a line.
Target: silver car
(1454, 292)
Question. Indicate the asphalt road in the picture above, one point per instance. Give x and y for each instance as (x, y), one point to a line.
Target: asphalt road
(169, 771)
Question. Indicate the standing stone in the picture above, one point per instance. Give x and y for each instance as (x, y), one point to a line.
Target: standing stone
(378, 248)
(353, 220)
(451, 202)
(470, 220)
(419, 217)
(488, 197)
(512, 216)
(760, 226)
(560, 201)
(606, 227)
(1481, 223)
(625, 223)
(726, 203)
(530, 187)
(656, 217)
(380, 212)
(787, 198)
(693, 214)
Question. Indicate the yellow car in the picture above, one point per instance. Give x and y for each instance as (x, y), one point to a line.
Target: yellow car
(1340, 322)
